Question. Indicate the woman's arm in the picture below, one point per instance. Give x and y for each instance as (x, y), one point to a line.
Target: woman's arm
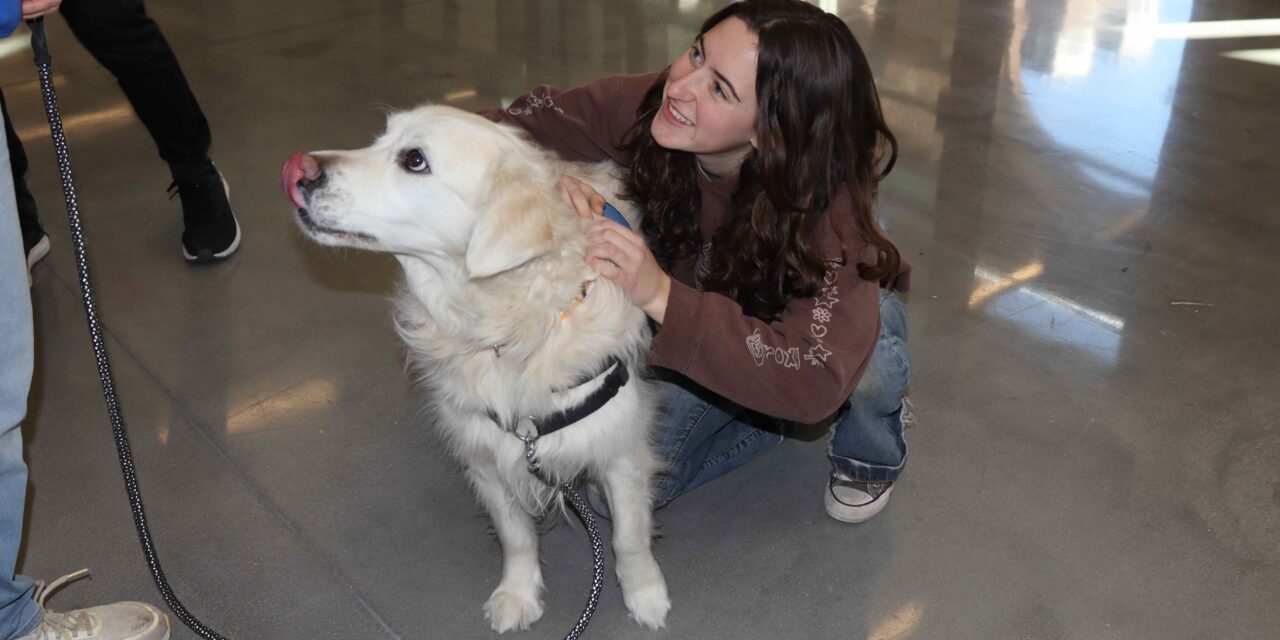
(800, 367)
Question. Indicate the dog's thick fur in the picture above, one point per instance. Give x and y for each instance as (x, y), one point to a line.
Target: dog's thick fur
(492, 257)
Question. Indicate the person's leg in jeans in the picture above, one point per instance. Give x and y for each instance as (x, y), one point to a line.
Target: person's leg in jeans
(867, 448)
(120, 36)
(19, 614)
(22, 614)
(702, 436)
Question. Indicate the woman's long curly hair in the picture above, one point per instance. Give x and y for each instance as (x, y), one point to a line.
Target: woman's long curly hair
(818, 126)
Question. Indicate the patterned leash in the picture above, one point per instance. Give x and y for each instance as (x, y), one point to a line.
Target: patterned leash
(44, 64)
(597, 558)
(588, 520)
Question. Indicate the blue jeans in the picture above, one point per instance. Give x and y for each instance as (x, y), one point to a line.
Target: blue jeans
(703, 436)
(19, 614)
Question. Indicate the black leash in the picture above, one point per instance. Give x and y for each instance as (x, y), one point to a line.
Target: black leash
(44, 64)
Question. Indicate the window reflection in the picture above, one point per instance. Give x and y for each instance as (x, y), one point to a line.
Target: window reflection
(1048, 316)
(1103, 97)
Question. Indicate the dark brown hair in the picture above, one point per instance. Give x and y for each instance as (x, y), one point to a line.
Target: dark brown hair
(819, 127)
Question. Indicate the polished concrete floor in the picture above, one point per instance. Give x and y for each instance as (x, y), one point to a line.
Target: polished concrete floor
(1088, 190)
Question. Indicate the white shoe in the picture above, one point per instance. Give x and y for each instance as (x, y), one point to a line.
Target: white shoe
(851, 501)
(118, 621)
(36, 254)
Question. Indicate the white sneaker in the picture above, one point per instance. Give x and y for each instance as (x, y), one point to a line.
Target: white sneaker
(36, 254)
(851, 501)
(118, 621)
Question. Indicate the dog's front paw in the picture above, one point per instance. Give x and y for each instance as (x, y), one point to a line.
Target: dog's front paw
(507, 610)
(649, 605)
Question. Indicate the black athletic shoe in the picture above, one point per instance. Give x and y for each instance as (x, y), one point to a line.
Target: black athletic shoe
(212, 232)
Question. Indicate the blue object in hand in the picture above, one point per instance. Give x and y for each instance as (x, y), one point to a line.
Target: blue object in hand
(613, 214)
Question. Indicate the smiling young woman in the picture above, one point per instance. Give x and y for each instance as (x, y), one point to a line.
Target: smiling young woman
(755, 157)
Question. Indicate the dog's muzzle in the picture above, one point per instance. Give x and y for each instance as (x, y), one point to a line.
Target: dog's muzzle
(303, 174)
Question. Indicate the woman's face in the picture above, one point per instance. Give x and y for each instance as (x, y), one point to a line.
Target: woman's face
(709, 102)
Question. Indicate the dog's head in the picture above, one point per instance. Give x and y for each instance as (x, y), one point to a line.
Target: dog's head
(440, 184)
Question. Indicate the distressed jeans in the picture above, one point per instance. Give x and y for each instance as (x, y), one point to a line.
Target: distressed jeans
(702, 436)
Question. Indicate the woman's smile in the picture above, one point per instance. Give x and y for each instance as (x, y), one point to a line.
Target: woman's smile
(675, 116)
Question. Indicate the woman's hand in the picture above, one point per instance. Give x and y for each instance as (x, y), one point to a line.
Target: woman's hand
(586, 201)
(621, 255)
(36, 8)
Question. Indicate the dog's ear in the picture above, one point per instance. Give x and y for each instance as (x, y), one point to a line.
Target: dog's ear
(513, 227)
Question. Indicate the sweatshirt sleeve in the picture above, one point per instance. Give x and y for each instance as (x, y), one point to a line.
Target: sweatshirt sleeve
(800, 367)
(587, 123)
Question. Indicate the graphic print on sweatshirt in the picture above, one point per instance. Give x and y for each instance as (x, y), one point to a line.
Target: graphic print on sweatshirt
(702, 266)
(823, 304)
(534, 101)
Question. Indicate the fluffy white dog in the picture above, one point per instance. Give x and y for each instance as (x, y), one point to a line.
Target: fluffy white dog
(506, 327)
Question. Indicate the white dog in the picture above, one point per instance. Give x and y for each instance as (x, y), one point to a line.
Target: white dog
(506, 327)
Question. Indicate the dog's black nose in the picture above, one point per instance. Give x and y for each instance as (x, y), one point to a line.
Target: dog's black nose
(301, 175)
(306, 186)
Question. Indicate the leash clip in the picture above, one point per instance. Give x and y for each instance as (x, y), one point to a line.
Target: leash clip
(527, 432)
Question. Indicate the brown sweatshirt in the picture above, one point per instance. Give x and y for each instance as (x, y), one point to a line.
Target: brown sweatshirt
(800, 367)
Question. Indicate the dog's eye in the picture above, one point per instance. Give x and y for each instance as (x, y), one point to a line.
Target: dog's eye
(415, 161)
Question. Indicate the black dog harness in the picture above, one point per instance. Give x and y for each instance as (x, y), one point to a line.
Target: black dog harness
(615, 377)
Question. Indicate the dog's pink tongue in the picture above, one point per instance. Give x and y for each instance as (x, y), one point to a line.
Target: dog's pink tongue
(299, 166)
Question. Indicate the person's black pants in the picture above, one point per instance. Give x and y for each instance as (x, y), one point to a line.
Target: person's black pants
(122, 38)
